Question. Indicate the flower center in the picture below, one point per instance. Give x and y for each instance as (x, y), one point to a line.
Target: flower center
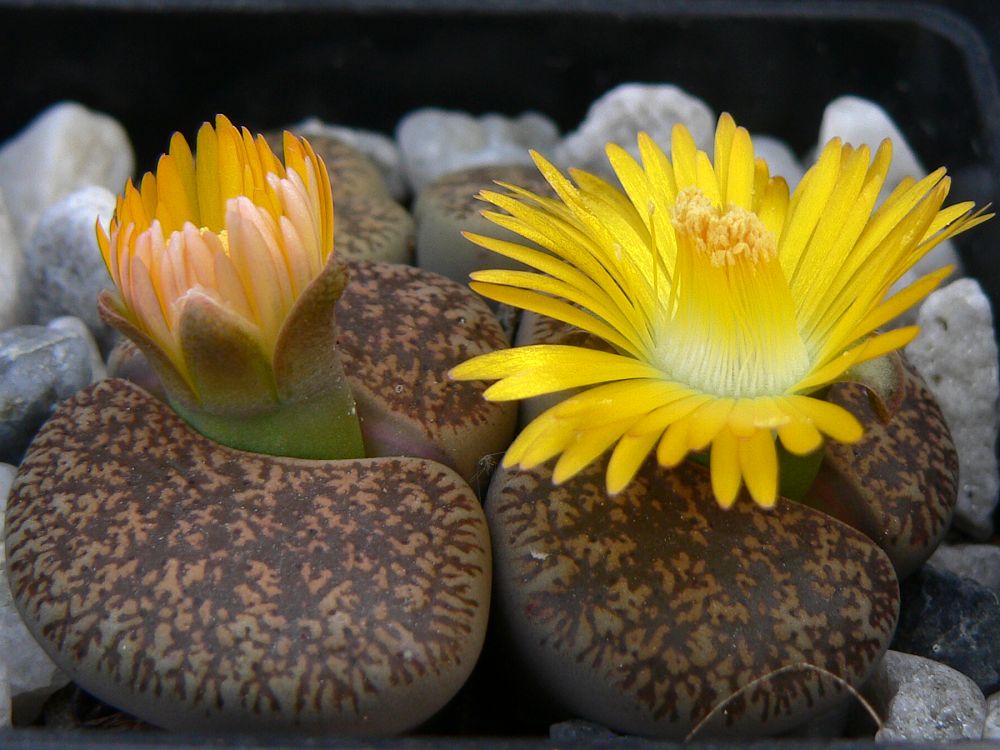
(736, 236)
(729, 326)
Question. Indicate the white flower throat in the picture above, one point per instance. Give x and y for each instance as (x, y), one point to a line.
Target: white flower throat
(728, 325)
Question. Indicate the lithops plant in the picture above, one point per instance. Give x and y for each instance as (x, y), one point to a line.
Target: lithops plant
(448, 207)
(709, 324)
(241, 558)
(647, 610)
(208, 589)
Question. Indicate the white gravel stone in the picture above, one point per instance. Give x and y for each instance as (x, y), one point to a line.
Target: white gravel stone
(63, 149)
(781, 160)
(923, 700)
(5, 702)
(380, 148)
(860, 121)
(991, 730)
(74, 326)
(64, 264)
(980, 562)
(620, 114)
(957, 356)
(434, 142)
(31, 677)
(12, 307)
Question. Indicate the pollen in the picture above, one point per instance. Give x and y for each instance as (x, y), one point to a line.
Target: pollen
(726, 237)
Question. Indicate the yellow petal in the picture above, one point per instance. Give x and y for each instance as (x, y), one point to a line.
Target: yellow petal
(739, 184)
(683, 154)
(626, 459)
(707, 421)
(759, 465)
(800, 437)
(828, 418)
(210, 203)
(673, 445)
(587, 446)
(725, 468)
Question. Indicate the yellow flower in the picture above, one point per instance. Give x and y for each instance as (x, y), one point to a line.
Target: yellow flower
(730, 305)
(222, 263)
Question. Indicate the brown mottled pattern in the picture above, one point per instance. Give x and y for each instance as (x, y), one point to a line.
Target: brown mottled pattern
(646, 610)
(899, 484)
(351, 172)
(455, 193)
(400, 329)
(372, 228)
(200, 587)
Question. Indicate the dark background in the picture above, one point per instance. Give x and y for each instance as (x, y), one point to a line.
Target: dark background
(165, 65)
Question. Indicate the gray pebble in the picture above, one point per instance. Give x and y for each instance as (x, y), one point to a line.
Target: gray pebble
(64, 263)
(991, 730)
(922, 700)
(12, 294)
(980, 562)
(39, 367)
(435, 142)
(63, 149)
(951, 620)
(73, 326)
(27, 674)
(5, 703)
(619, 115)
(957, 355)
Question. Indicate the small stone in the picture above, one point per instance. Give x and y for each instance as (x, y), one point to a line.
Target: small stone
(991, 729)
(576, 731)
(954, 621)
(65, 148)
(27, 675)
(39, 367)
(352, 173)
(620, 114)
(5, 703)
(859, 122)
(435, 142)
(75, 327)
(373, 227)
(781, 160)
(379, 148)
(341, 596)
(13, 295)
(980, 562)
(656, 612)
(957, 355)
(64, 263)
(448, 206)
(921, 700)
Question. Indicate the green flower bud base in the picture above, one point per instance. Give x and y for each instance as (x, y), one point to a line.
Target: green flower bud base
(322, 427)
